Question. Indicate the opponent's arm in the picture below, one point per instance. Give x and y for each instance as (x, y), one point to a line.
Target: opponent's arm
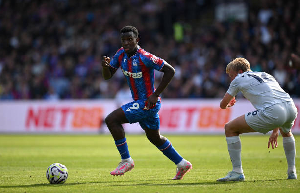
(227, 101)
(107, 71)
(169, 72)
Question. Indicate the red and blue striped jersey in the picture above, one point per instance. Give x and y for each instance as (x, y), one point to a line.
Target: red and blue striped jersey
(138, 70)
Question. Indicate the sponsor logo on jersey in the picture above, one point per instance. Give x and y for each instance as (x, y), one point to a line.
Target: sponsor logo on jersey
(132, 75)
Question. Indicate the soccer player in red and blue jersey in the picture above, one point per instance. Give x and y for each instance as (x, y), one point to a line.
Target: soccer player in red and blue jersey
(138, 68)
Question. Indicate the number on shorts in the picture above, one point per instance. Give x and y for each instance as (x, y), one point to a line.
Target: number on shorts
(134, 106)
(253, 113)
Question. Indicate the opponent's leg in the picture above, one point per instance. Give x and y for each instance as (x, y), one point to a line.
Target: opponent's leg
(290, 153)
(165, 146)
(114, 123)
(232, 131)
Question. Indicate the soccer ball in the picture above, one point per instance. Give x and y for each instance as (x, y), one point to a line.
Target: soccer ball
(57, 173)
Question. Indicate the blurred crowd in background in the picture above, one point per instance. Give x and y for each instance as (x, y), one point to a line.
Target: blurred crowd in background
(52, 50)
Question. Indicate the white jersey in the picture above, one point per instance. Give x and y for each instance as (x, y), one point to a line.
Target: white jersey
(260, 88)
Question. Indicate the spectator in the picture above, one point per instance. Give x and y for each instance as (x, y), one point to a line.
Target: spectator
(56, 46)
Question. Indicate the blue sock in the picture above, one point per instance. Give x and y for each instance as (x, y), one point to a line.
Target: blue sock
(123, 148)
(169, 151)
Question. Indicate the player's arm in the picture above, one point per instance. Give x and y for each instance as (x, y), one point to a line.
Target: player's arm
(227, 101)
(273, 138)
(107, 71)
(169, 72)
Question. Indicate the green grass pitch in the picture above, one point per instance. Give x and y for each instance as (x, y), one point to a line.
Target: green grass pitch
(24, 160)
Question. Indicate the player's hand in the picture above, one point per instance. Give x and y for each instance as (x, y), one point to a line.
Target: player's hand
(232, 102)
(151, 102)
(105, 62)
(273, 139)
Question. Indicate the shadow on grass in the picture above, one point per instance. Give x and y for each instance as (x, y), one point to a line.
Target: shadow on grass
(129, 183)
(195, 183)
(50, 185)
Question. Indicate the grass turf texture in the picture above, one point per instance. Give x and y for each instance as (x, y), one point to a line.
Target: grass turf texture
(24, 160)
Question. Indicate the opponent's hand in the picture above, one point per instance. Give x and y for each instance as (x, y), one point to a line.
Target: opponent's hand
(232, 102)
(105, 62)
(273, 139)
(151, 102)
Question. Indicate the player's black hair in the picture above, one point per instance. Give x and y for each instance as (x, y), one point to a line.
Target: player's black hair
(130, 29)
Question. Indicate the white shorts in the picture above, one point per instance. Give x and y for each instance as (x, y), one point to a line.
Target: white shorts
(281, 115)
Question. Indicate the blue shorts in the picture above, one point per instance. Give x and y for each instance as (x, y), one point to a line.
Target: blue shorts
(134, 112)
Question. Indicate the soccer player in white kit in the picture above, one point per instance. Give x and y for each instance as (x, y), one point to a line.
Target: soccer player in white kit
(275, 110)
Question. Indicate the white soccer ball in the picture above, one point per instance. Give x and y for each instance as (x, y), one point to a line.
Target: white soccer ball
(57, 173)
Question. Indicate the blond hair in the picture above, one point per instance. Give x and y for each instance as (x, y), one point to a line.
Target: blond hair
(238, 64)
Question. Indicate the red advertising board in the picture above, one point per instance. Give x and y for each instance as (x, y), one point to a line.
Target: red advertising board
(87, 116)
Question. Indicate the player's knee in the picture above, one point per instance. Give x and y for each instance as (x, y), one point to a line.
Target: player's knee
(156, 139)
(152, 138)
(228, 129)
(106, 120)
(109, 120)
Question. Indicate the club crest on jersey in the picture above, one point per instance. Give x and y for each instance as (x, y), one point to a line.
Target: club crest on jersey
(134, 63)
(132, 75)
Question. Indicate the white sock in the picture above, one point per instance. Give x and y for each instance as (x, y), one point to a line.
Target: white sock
(181, 163)
(127, 160)
(290, 152)
(234, 150)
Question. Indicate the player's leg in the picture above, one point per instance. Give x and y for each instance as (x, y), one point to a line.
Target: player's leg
(165, 146)
(237, 127)
(290, 153)
(232, 131)
(129, 113)
(288, 138)
(151, 123)
(114, 123)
